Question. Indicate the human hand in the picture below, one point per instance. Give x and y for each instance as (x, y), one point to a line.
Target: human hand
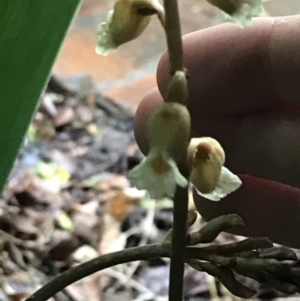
(245, 92)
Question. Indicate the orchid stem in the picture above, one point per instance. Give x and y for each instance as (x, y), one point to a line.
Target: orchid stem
(173, 33)
(178, 250)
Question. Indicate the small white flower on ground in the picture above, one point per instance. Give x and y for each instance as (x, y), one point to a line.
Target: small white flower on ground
(209, 177)
(125, 22)
(240, 12)
(158, 174)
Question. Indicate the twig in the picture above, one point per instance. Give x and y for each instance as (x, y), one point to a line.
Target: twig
(173, 32)
(123, 279)
(269, 280)
(226, 276)
(282, 274)
(132, 254)
(248, 244)
(254, 264)
(191, 219)
(212, 229)
(56, 85)
(278, 253)
(30, 245)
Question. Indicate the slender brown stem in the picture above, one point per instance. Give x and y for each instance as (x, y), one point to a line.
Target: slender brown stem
(173, 32)
(100, 263)
(178, 251)
(178, 245)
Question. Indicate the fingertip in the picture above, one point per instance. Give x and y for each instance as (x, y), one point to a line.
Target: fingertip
(146, 106)
(269, 209)
(234, 70)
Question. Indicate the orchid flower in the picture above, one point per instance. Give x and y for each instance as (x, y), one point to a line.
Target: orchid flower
(210, 178)
(125, 22)
(168, 130)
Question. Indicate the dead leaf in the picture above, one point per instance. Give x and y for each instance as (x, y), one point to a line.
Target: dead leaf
(120, 204)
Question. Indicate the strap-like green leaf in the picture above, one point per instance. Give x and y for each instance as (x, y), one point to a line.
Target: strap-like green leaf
(31, 33)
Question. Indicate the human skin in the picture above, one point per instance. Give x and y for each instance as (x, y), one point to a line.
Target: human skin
(245, 92)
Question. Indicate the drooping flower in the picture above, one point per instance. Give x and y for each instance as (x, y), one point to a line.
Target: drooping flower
(240, 12)
(209, 176)
(125, 22)
(158, 174)
(168, 131)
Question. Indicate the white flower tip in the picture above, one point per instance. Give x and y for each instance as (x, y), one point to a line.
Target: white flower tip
(239, 20)
(134, 193)
(159, 175)
(104, 51)
(181, 180)
(228, 183)
(242, 17)
(105, 45)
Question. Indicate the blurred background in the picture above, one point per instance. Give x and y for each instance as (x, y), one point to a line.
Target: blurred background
(130, 73)
(69, 199)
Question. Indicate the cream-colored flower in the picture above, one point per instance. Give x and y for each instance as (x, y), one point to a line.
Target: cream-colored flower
(168, 131)
(228, 183)
(125, 22)
(240, 12)
(158, 174)
(209, 177)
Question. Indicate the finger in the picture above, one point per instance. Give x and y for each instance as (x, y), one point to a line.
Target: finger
(211, 96)
(269, 209)
(241, 77)
(145, 108)
(233, 70)
(262, 143)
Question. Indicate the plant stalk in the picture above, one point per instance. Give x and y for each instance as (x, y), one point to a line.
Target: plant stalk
(178, 244)
(173, 33)
(178, 250)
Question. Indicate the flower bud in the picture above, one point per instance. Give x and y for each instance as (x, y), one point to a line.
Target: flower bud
(210, 178)
(169, 129)
(125, 22)
(177, 89)
(240, 12)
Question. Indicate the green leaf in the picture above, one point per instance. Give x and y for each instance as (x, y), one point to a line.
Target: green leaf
(65, 222)
(31, 34)
(47, 170)
(32, 132)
